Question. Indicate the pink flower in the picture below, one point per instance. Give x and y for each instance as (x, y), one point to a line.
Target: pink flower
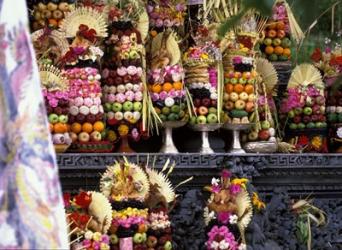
(105, 238)
(234, 189)
(223, 217)
(226, 174)
(216, 188)
(86, 243)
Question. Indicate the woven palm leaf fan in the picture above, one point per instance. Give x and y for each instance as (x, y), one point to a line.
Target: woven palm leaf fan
(87, 16)
(173, 49)
(143, 25)
(51, 78)
(57, 37)
(101, 210)
(113, 179)
(163, 183)
(305, 74)
(244, 211)
(268, 74)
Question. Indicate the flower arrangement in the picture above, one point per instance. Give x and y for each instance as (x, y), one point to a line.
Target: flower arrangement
(228, 211)
(166, 14)
(95, 241)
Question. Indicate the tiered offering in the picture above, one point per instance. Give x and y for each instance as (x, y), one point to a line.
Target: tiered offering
(165, 78)
(126, 185)
(86, 113)
(50, 13)
(228, 213)
(202, 79)
(305, 108)
(124, 78)
(277, 42)
(56, 95)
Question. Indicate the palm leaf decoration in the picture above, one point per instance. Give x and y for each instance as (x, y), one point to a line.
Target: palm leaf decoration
(268, 74)
(304, 75)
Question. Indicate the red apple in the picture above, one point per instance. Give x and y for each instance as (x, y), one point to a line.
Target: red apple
(264, 134)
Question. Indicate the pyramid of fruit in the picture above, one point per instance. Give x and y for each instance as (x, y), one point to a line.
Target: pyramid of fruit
(56, 96)
(124, 76)
(305, 107)
(165, 78)
(202, 80)
(86, 113)
(50, 13)
(276, 45)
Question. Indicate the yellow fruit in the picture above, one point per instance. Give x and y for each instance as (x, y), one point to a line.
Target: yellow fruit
(99, 126)
(278, 50)
(87, 127)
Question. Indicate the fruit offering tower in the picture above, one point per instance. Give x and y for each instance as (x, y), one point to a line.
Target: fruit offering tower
(50, 13)
(126, 185)
(55, 92)
(202, 76)
(165, 78)
(280, 30)
(305, 109)
(85, 26)
(124, 76)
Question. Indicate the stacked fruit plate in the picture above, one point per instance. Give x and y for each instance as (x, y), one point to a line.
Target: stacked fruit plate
(203, 79)
(305, 107)
(277, 42)
(165, 79)
(123, 80)
(55, 92)
(50, 13)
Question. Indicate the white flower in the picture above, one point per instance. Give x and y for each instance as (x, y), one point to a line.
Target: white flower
(339, 132)
(214, 245)
(215, 181)
(233, 219)
(242, 247)
(88, 235)
(223, 245)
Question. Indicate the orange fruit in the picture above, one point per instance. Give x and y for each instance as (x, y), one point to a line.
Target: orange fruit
(249, 89)
(51, 127)
(287, 52)
(167, 86)
(229, 88)
(280, 25)
(238, 88)
(272, 26)
(269, 50)
(156, 88)
(99, 126)
(76, 128)
(60, 128)
(279, 50)
(87, 127)
(53, 22)
(178, 85)
(153, 33)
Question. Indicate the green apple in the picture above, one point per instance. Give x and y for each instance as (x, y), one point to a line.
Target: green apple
(137, 238)
(286, 43)
(201, 119)
(117, 107)
(108, 106)
(137, 106)
(265, 124)
(301, 125)
(163, 117)
(268, 41)
(276, 42)
(166, 110)
(212, 110)
(53, 118)
(212, 118)
(168, 245)
(291, 114)
(192, 120)
(114, 239)
(293, 126)
(273, 57)
(175, 109)
(173, 117)
(127, 106)
(63, 119)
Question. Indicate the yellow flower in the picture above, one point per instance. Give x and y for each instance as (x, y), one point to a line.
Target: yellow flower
(104, 246)
(257, 202)
(316, 142)
(97, 236)
(204, 56)
(240, 181)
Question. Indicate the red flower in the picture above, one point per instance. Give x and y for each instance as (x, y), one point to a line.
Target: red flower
(336, 60)
(303, 140)
(316, 55)
(83, 220)
(83, 200)
(66, 199)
